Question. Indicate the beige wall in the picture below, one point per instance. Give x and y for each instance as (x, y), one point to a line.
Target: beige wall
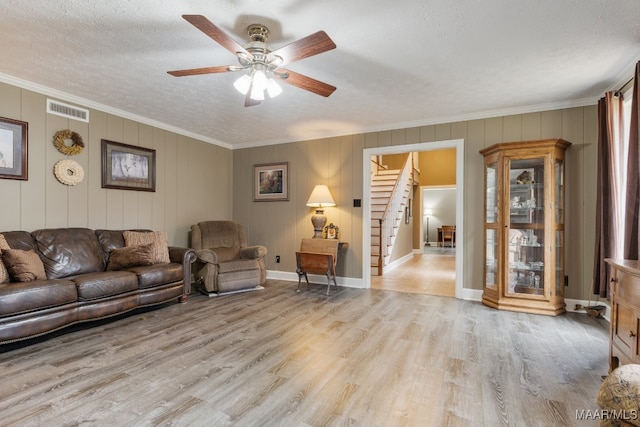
(438, 167)
(193, 178)
(338, 163)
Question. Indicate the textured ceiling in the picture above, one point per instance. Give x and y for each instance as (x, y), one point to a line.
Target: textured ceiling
(396, 64)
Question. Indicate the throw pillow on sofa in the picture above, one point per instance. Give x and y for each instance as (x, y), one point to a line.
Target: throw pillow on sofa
(157, 238)
(23, 266)
(131, 256)
(4, 274)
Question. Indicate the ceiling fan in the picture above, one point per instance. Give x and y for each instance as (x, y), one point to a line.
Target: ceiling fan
(262, 65)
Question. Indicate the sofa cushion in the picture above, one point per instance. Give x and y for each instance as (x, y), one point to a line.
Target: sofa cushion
(29, 296)
(225, 237)
(93, 286)
(23, 266)
(238, 265)
(69, 251)
(157, 238)
(130, 256)
(4, 274)
(19, 240)
(157, 274)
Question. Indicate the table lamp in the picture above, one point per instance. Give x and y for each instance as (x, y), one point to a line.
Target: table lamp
(320, 198)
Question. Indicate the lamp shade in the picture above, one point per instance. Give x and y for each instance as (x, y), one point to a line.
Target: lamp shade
(428, 212)
(320, 197)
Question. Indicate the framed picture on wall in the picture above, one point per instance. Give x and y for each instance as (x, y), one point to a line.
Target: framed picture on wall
(127, 167)
(271, 182)
(13, 149)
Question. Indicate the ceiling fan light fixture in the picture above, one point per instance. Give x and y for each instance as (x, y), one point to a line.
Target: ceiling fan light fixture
(259, 63)
(243, 84)
(256, 93)
(260, 80)
(273, 88)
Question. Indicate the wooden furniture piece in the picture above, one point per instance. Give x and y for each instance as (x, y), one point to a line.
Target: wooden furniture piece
(447, 232)
(317, 256)
(524, 226)
(624, 347)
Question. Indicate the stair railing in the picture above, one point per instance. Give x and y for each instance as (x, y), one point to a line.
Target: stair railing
(393, 209)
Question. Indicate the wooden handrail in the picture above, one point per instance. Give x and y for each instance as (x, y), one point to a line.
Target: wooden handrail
(380, 269)
(392, 205)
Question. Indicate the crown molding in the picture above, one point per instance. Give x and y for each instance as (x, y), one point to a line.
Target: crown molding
(63, 96)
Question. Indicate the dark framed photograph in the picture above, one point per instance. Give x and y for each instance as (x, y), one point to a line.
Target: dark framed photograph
(128, 167)
(271, 182)
(13, 149)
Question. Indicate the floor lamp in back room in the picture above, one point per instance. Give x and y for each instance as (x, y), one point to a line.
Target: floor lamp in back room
(427, 213)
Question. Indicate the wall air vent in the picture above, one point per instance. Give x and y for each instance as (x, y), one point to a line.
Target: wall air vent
(69, 111)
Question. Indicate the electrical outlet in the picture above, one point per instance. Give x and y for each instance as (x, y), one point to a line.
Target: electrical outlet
(277, 258)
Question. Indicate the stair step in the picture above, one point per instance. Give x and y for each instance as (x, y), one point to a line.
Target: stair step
(388, 172)
(380, 188)
(383, 181)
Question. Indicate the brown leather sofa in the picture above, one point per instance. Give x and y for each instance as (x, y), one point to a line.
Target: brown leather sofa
(78, 287)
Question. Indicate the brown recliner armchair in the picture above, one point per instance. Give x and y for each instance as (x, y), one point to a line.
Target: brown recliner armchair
(225, 263)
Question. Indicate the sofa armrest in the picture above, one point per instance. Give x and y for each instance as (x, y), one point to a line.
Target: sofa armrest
(207, 256)
(253, 252)
(186, 257)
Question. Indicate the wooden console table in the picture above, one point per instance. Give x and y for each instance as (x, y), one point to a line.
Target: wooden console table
(625, 312)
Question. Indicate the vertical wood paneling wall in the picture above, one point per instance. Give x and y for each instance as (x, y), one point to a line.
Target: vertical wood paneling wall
(199, 181)
(337, 162)
(193, 178)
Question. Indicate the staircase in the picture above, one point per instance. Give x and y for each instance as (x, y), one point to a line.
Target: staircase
(390, 192)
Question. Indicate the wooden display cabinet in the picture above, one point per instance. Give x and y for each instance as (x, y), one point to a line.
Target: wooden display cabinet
(524, 226)
(624, 346)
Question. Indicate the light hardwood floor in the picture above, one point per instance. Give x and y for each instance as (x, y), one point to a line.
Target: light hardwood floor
(430, 273)
(275, 357)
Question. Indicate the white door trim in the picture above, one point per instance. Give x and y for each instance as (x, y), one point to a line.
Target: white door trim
(458, 144)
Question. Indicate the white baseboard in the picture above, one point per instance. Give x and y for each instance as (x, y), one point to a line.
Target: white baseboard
(470, 294)
(397, 263)
(348, 282)
(571, 306)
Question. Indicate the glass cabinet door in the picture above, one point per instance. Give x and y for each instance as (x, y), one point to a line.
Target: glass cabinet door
(525, 241)
(559, 214)
(491, 219)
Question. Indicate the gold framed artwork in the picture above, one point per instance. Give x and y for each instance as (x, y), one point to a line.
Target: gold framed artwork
(331, 231)
(128, 167)
(13, 149)
(271, 182)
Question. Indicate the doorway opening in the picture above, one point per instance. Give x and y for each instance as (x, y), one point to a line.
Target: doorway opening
(458, 251)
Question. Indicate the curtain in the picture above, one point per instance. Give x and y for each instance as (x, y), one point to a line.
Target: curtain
(610, 125)
(632, 195)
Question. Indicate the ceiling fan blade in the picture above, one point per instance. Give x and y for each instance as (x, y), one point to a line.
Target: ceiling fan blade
(308, 46)
(305, 82)
(213, 31)
(197, 71)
